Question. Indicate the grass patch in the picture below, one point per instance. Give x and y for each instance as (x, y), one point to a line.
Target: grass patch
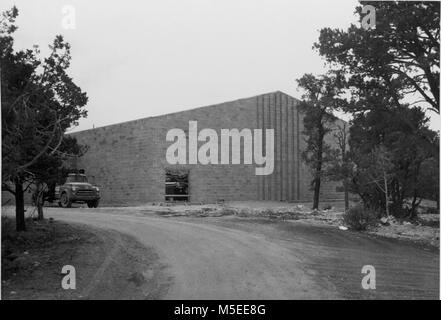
(32, 259)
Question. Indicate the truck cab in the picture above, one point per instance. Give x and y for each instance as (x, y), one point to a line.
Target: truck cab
(77, 189)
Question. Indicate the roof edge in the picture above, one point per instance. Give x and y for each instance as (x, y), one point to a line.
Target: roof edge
(192, 109)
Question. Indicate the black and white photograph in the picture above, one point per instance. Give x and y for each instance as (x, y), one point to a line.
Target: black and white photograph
(221, 155)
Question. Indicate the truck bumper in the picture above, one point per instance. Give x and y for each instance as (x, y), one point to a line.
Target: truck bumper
(79, 198)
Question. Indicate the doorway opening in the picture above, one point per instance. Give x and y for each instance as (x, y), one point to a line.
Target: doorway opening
(176, 185)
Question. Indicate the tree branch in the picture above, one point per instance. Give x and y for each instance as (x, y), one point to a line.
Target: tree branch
(20, 168)
(5, 187)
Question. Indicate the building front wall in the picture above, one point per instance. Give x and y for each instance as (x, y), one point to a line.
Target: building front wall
(128, 160)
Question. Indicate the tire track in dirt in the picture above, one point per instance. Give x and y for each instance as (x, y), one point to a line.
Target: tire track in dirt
(225, 258)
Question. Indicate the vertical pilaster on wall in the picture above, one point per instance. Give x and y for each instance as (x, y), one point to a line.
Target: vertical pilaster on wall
(286, 158)
(294, 176)
(280, 112)
(290, 158)
(259, 181)
(276, 173)
(274, 126)
(298, 154)
(263, 126)
(283, 142)
(270, 125)
(281, 164)
(259, 125)
(264, 181)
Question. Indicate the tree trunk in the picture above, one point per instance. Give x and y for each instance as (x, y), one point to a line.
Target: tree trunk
(415, 204)
(40, 209)
(317, 181)
(318, 170)
(437, 203)
(345, 185)
(315, 204)
(19, 206)
(386, 194)
(437, 199)
(40, 201)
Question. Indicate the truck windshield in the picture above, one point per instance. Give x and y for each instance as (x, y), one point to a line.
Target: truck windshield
(76, 178)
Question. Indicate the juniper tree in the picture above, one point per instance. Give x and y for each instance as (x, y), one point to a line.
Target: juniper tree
(320, 100)
(39, 102)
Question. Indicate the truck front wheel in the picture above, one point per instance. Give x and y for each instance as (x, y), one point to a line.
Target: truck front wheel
(65, 202)
(93, 204)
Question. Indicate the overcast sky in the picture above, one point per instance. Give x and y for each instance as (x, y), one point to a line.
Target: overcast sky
(138, 59)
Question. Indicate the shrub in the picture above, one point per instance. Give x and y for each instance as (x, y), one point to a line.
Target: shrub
(360, 218)
(432, 210)
(226, 212)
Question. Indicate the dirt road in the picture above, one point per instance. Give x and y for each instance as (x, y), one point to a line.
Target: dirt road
(230, 258)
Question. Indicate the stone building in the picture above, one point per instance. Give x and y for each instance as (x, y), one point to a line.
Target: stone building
(128, 160)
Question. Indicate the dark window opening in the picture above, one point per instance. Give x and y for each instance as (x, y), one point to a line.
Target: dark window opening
(176, 185)
(76, 178)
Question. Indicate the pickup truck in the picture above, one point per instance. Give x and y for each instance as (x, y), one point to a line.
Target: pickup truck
(77, 189)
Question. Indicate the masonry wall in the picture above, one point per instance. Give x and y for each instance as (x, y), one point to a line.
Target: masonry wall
(128, 160)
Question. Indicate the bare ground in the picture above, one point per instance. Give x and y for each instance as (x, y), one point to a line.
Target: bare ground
(109, 265)
(404, 269)
(231, 257)
(424, 230)
(208, 254)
